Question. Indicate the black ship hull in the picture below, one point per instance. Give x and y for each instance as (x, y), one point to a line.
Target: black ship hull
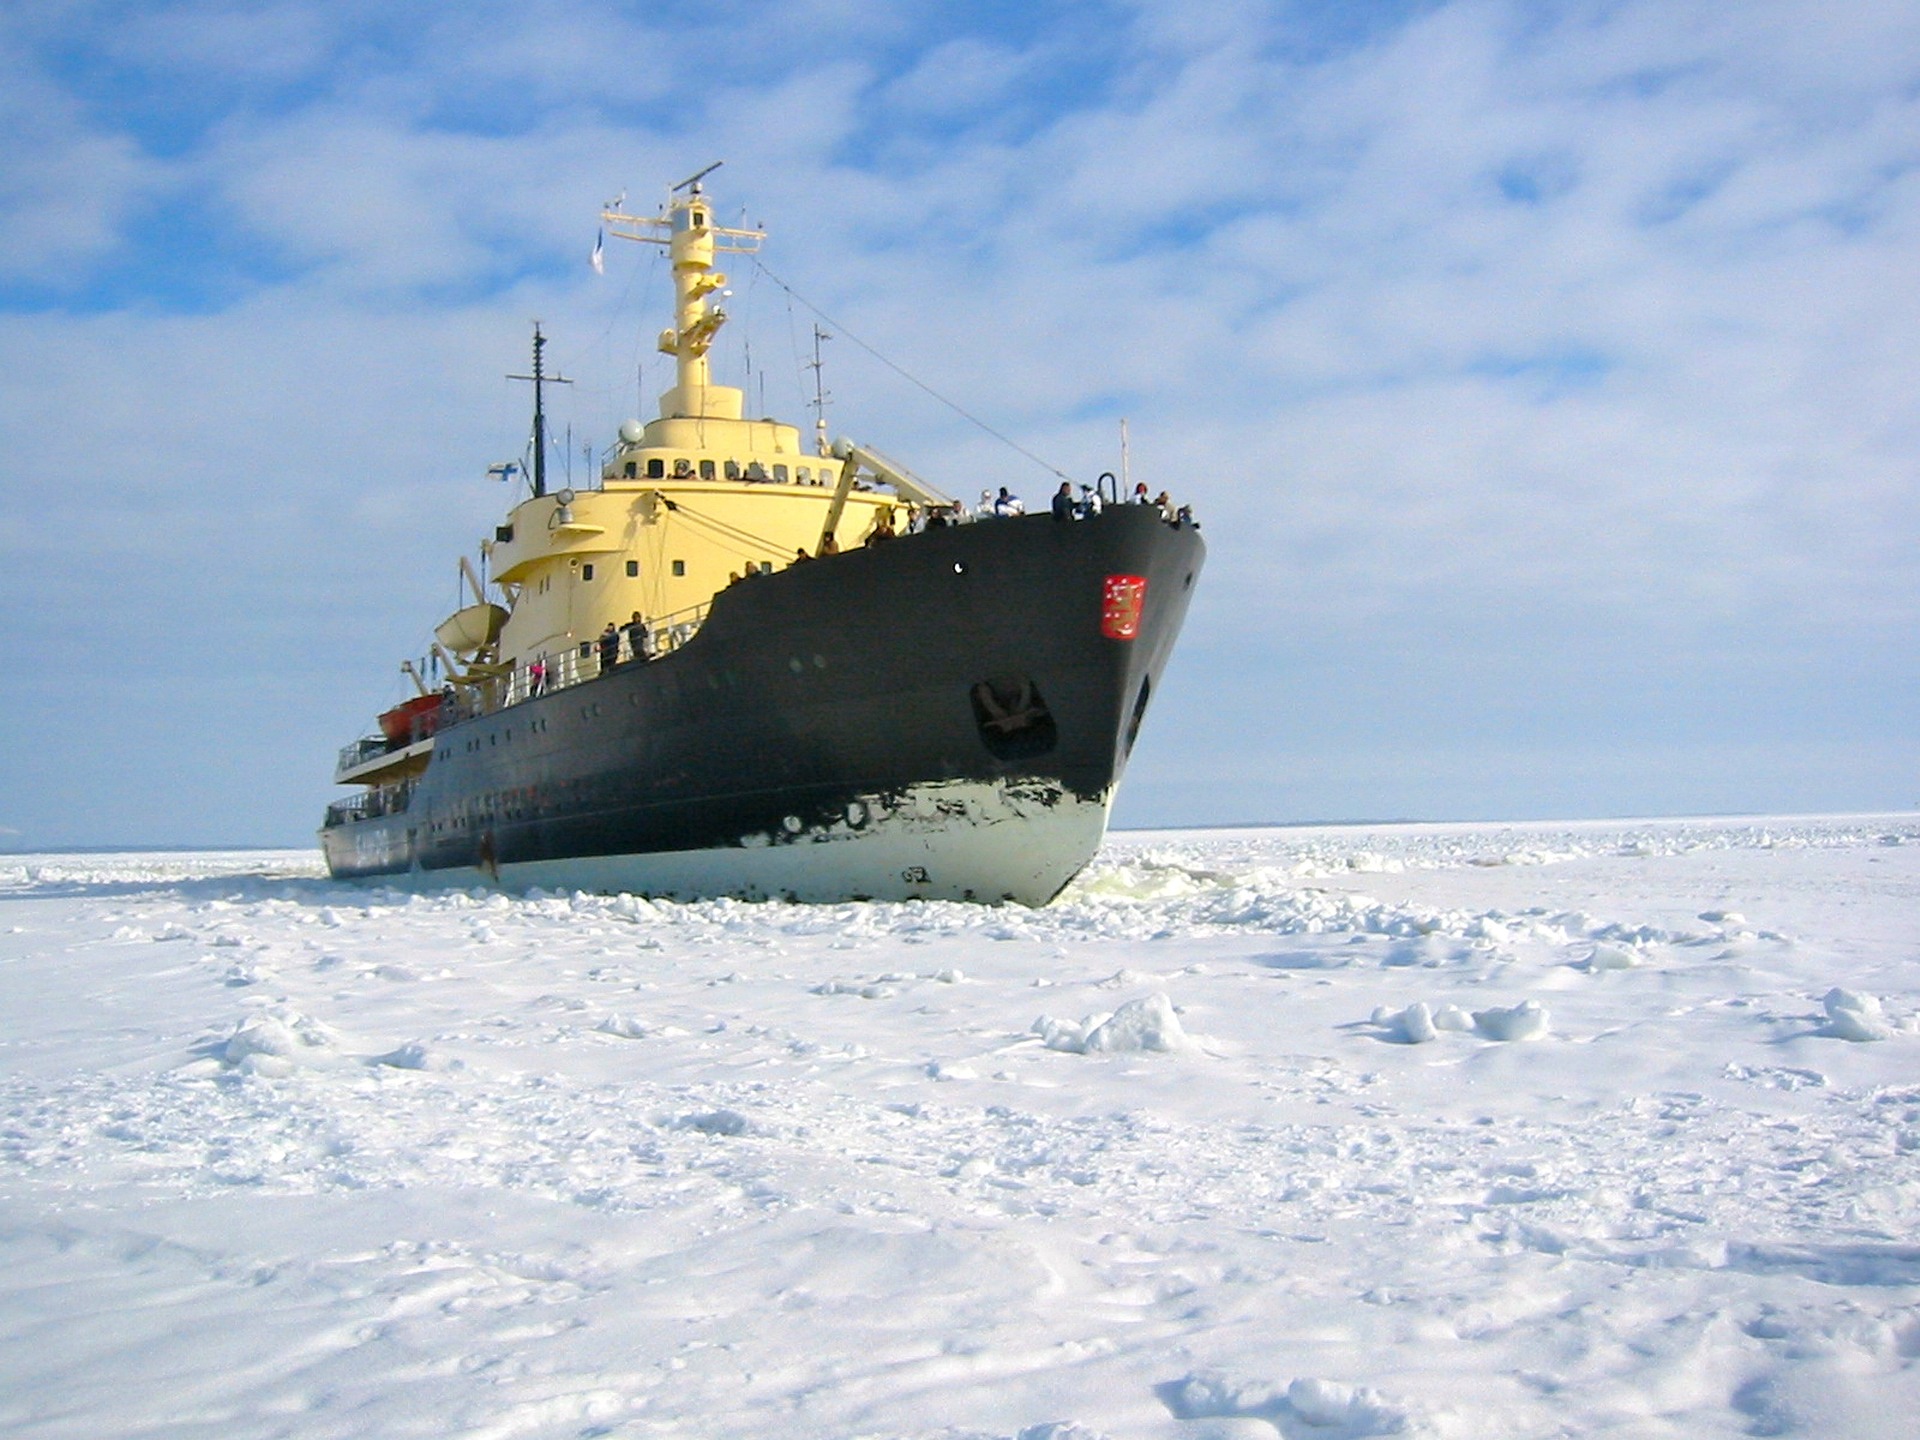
(944, 715)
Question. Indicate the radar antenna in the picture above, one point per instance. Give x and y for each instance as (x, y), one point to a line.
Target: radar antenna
(693, 181)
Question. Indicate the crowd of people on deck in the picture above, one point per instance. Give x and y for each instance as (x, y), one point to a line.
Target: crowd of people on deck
(1004, 504)
(1066, 505)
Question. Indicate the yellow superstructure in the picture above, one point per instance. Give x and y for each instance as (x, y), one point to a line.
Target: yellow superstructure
(687, 501)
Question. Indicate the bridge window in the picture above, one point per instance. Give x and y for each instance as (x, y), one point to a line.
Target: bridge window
(656, 469)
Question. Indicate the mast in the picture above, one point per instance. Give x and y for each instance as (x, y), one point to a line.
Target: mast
(820, 392)
(540, 380)
(688, 231)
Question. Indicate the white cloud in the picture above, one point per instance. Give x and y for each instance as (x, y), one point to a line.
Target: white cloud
(64, 189)
(957, 79)
(1506, 324)
(259, 44)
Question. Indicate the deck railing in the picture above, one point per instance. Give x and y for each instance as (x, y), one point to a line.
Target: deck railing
(581, 663)
(368, 804)
(574, 666)
(360, 751)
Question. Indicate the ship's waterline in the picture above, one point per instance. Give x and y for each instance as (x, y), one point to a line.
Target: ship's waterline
(1017, 842)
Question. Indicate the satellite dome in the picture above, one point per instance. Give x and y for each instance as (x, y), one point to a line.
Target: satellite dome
(632, 432)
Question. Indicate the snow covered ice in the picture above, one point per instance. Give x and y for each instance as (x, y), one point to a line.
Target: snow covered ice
(1471, 1131)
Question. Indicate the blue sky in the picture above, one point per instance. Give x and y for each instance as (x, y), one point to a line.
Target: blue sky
(1544, 374)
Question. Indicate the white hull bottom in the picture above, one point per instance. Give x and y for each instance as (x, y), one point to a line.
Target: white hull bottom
(956, 840)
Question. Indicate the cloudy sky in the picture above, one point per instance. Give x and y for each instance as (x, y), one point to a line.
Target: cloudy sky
(1546, 375)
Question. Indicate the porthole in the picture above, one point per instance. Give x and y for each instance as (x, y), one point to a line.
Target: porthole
(586, 571)
(633, 568)
(679, 567)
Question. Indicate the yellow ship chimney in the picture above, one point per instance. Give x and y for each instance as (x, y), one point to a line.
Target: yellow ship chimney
(692, 238)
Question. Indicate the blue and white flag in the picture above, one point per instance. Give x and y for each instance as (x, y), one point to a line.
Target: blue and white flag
(600, 253)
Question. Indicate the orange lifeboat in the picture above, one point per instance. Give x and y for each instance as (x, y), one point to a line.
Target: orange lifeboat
(411, 720)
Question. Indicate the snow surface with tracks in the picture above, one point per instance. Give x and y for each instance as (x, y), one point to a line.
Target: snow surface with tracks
(1473, 1131)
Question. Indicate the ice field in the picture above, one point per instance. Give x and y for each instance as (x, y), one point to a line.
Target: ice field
(1475, 1131)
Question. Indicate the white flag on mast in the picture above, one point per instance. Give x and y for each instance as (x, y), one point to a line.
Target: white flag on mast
(600, 253)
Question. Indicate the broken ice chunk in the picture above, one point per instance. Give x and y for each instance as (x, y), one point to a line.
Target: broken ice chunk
(1525, 1021)
(1853, 1016)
